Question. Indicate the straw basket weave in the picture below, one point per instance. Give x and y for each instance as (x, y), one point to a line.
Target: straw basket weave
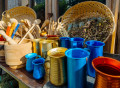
(88, 9)
(19, 13)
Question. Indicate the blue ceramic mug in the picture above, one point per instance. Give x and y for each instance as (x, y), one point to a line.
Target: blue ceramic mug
(76, 42)
(64, 42)
(38, 71)
(96, 49)
(76, 67)
(30, 57)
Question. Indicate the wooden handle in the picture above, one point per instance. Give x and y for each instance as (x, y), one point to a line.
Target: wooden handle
(9, 39)
(30, 35)
(12, 29)
(26, 34)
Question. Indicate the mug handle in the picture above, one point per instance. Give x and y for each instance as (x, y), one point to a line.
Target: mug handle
(38, 56)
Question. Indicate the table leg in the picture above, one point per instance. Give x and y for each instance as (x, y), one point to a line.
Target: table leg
(22, 85)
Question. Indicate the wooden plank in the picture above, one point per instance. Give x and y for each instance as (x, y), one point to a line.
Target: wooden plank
(6, 4)
(115, 11)
(21, 75)
(1, 8)
(50, 6)
(46, 9)
(55, 9)
(109, 45)
(108, 3)
(117, 49)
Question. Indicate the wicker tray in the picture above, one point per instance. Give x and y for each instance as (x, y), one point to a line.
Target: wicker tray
(88, 9)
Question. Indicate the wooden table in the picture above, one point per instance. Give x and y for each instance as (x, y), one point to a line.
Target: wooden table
(26, 80)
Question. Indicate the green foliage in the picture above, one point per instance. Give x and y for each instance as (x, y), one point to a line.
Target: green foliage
(7, 81)
(62, 7)
(39, 7)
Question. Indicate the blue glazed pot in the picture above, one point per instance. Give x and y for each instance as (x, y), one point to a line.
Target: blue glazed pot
(64, 42)
(38, 71)
(30, 57)
(76, 42)
(76, 67)
(96, 49)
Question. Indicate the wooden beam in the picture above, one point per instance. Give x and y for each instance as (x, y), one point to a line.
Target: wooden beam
(117, 48)
(55, 9)
(46, 9)
(51, 6)
(6, 4)
(0, 9)
(115, 10)
(110, 43)
(108, 3)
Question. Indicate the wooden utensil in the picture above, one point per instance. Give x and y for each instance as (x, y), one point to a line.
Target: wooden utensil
(26, 29)
(15, 30)
(8, 28)
(36, 22)
(9, 39)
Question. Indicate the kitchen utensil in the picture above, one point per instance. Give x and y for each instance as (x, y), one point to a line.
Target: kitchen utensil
(9, 39)
(36, 22)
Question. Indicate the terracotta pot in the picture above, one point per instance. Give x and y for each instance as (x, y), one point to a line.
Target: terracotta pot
(15, 54)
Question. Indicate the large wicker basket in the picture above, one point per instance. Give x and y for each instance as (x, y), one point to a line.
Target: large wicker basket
(19, 13)
(88, 9)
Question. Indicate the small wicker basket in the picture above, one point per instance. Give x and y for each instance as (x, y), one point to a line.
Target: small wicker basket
(88, 9)
(19, 13)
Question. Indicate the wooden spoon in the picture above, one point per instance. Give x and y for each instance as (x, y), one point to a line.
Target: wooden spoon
(9, 39)
(36, 22)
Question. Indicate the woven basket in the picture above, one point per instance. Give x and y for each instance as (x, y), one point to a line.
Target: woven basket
(19, 13)
(88, 9)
